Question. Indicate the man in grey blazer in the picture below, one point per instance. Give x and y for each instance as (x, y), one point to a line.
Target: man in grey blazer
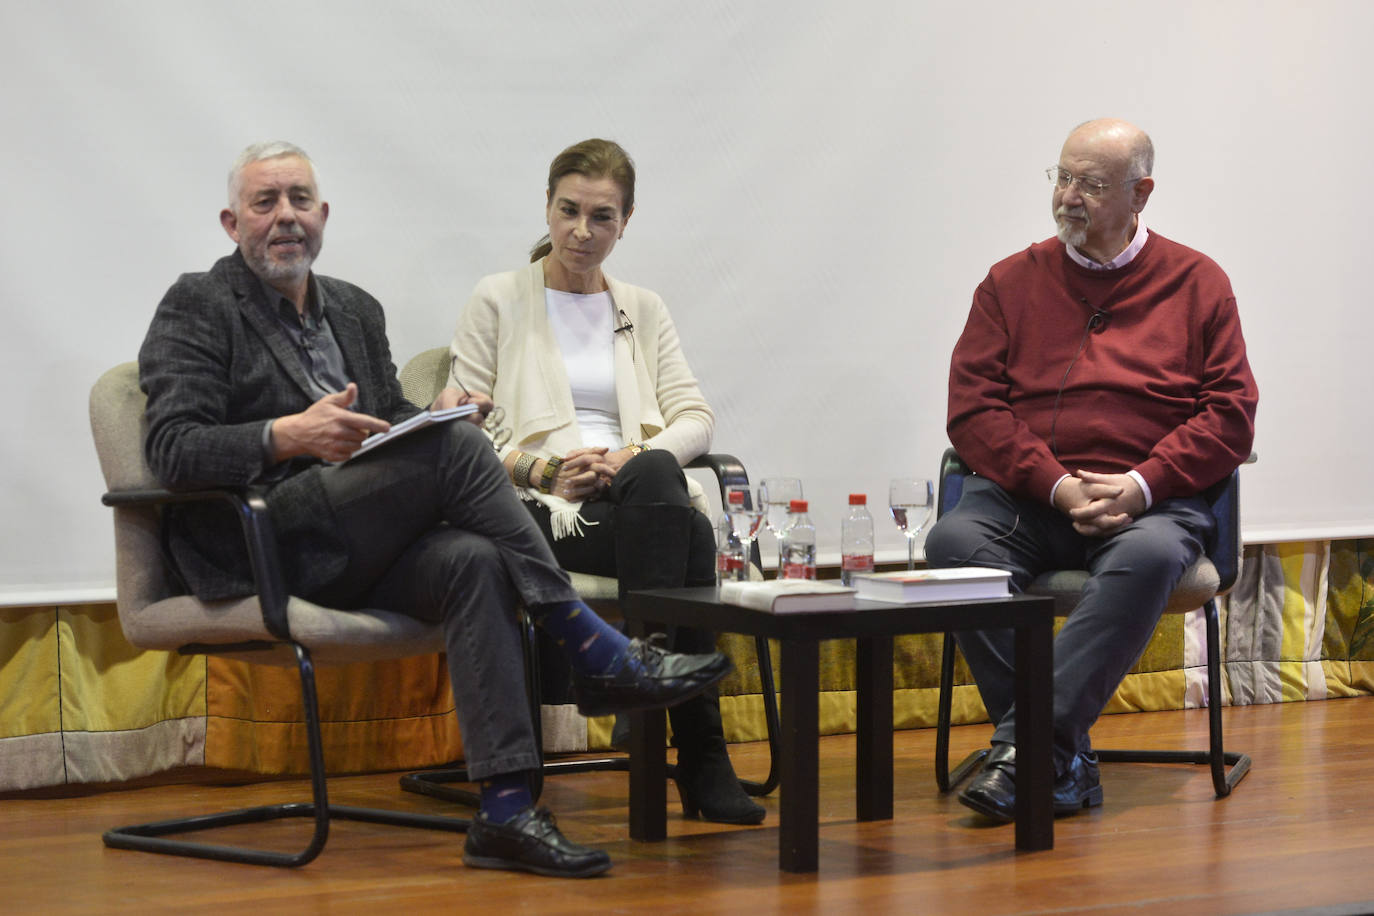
(261, 373)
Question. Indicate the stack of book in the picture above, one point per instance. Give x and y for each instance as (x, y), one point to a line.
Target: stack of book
(788, 596)
(960, 583)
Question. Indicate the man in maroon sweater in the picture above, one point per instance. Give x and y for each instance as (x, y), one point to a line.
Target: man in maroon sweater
(1100, 384)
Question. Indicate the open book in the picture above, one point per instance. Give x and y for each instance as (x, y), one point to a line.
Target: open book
(787, 596)
(959, 583)
(409, 425)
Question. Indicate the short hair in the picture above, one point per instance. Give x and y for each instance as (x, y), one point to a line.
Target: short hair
(1142, 161)
(594, 158)
(257, 152)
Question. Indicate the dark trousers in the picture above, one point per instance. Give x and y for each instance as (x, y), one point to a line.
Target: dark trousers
(649, 478)
(631, 546)
(1132, 573)
(434, 530)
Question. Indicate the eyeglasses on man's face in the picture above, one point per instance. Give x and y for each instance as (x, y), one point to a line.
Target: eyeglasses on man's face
(1088, 187)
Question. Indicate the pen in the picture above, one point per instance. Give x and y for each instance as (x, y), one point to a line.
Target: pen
(453, 374)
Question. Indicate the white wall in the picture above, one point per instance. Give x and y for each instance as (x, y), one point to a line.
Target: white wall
(821, 187)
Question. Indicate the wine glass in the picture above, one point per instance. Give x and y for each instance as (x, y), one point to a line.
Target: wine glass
(775, 496)
(746, 515)
(911, 500)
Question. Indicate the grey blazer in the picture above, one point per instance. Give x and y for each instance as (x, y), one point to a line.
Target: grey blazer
(216, 367)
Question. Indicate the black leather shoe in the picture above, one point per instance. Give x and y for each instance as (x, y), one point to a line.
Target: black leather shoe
(648, 678)
(992, 793)
(1078, 788)
(530, 842)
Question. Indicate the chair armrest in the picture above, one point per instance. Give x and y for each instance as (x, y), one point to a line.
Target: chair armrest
(953, 472)
(728, 469)
(258, 534)
(1224, 499)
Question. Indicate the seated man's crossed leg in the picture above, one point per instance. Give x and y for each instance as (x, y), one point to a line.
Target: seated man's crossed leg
(434, 530)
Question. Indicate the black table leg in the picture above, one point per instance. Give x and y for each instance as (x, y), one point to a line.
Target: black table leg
(648, 768)
(1034, 735)
(873, 752)
(798, 841)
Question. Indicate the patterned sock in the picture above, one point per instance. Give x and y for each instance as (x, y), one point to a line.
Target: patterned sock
(591, 645)
(505, 795)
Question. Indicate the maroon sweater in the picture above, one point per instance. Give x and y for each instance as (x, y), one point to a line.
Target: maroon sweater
(1162, 387)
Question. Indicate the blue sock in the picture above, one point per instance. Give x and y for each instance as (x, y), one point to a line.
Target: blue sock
(591, 645)
(505, 795)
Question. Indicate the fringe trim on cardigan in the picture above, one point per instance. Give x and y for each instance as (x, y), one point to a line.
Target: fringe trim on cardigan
(565, 519)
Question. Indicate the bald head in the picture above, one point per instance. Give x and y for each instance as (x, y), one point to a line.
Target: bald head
(1122, 140)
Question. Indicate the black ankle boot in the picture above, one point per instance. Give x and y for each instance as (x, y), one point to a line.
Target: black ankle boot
(706, 781)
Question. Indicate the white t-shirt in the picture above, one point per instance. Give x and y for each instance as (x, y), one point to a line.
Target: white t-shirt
(584, 326)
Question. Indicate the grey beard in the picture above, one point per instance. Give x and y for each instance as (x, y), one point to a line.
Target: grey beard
(274, 272)
(1071, 235)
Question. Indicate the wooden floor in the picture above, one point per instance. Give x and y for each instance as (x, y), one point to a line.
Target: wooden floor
(1297, 834)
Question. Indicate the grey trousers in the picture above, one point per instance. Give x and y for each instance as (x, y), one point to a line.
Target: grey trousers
(434, 530)
(1131, 575)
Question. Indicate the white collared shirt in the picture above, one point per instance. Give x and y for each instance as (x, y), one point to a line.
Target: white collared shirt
(1125, 257)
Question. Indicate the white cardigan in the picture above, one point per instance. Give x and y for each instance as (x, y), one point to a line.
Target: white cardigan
(504, 347)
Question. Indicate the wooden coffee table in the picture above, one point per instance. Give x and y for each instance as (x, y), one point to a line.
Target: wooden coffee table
(873, 626)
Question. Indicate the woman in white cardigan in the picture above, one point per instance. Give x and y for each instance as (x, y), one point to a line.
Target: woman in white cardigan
(604, 410)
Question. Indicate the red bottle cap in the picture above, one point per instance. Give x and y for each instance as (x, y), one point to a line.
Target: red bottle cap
(736, 496)
(858, 499)
(797, 505)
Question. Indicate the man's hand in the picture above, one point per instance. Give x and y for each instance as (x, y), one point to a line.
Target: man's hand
(452, 397)
(326, 429)
(1099, 504)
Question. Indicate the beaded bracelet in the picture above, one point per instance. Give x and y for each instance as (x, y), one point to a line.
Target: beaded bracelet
(523, 465)
(550, 470)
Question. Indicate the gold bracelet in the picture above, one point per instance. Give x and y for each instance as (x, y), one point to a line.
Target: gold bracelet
(523, 465)
(637, 447)
(550, 470)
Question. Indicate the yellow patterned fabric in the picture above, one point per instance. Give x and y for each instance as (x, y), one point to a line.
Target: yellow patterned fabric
(78, 704)
(381, 715)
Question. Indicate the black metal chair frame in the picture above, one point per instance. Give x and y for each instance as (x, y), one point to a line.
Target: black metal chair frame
(729, 472)
(1224, 499)
(272, 595)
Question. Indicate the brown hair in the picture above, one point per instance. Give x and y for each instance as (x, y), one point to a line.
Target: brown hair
(593, 158)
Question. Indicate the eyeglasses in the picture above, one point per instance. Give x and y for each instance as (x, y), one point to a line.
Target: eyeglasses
(1088, 187)
(500, 435)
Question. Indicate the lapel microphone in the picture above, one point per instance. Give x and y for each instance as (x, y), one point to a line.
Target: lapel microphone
(1099, 320)
(625, 324)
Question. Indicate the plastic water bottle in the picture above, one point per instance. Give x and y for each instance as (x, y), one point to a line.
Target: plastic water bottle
(729, 551)
(798, 543)
(856, 539)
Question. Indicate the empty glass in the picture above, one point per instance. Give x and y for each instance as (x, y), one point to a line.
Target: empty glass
(911, 501)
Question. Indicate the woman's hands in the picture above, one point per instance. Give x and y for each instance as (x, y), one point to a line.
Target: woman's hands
(585, 474)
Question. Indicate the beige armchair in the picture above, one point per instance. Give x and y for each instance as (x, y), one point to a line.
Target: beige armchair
(271, 627)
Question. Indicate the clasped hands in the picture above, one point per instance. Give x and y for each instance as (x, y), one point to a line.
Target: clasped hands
(586, 473)
(1099, 504)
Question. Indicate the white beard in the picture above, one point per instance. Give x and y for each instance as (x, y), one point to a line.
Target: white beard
(1074, 234)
